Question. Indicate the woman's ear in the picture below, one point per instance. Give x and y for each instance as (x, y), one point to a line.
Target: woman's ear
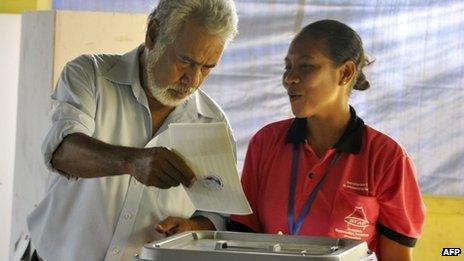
(152, 34)
(347, 72)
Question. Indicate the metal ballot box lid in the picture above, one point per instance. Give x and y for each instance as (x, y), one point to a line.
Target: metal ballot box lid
(219, 245)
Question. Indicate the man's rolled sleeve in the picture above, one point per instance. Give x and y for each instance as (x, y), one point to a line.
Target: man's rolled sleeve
(74, 106)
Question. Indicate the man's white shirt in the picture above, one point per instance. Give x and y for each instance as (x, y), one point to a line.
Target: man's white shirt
(109, 218)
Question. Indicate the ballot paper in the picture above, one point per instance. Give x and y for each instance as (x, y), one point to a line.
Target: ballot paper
(207, 150)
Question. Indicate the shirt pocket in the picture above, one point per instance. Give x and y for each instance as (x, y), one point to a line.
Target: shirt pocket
(353, 215)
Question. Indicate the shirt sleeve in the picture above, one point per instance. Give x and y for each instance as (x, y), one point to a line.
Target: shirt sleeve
(219, 221)
(73, 106)
(401, 209)
(250, 185)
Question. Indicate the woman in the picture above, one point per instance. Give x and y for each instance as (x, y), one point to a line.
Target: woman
(326, 173)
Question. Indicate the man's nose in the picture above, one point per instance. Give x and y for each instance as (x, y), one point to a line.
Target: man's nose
(192, 77)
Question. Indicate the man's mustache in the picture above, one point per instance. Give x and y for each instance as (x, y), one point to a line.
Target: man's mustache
(183, 89)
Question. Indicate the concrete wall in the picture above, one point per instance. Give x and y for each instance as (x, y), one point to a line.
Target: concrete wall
(10, 25)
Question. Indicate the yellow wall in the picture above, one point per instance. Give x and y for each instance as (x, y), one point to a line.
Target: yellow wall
(44, 4)
(19, 6)
(444, 227)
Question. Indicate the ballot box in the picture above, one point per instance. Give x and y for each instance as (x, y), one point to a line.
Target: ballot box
(219, 245)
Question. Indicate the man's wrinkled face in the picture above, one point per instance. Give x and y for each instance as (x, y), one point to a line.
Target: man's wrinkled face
(177, 72)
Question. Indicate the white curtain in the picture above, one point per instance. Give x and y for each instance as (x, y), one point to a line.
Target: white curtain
(417, 78)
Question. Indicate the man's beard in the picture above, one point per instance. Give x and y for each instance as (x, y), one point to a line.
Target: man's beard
(163, 94)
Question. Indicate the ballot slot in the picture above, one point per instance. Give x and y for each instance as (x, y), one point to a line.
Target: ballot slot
(177, 241)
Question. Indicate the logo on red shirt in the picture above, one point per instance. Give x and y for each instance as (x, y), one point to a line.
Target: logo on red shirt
(357, 219)
(356, 223)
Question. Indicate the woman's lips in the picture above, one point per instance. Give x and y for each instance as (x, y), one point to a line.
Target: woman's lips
(294, 97)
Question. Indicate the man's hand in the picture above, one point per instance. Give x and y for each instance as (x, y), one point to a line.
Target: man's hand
(85, 157)
(162, 168)
(173, 225)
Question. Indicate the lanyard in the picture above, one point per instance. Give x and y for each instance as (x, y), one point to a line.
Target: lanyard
(293, 227)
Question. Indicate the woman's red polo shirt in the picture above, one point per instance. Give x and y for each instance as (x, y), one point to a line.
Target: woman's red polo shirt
(371, 189)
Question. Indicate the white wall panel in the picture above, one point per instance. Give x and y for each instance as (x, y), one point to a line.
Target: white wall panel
(34, 84)
(10, 30)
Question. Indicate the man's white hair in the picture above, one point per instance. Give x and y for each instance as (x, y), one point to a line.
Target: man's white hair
(218, 16)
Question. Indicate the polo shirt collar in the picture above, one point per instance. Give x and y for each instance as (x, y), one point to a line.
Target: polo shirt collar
(349, 142)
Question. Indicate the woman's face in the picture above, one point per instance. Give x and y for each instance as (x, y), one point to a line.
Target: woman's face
(311, 79)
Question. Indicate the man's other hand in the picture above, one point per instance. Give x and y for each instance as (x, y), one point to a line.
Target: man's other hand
(174, 225)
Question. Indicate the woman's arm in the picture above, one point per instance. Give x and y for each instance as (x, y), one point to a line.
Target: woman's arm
(391, 250)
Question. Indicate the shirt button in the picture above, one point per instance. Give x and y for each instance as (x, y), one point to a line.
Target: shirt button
(135, 182)
(127, 216)
(115, 250)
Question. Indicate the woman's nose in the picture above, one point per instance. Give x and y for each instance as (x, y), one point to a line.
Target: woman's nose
(290, 78)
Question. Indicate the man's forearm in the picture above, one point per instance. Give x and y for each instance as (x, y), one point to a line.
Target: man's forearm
(82, 156)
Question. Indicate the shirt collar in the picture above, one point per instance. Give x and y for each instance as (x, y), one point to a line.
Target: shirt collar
(126, 68)
(192, 107)
(349, 142)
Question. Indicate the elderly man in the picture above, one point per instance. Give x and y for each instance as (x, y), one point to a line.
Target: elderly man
(109, 107)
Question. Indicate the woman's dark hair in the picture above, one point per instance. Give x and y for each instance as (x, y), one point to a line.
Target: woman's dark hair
(341, 44)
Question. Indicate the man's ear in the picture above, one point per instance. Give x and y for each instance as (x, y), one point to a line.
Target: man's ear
(152, 34)
(347, 72)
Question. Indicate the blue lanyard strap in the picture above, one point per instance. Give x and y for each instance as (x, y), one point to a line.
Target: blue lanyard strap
(293, 227)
